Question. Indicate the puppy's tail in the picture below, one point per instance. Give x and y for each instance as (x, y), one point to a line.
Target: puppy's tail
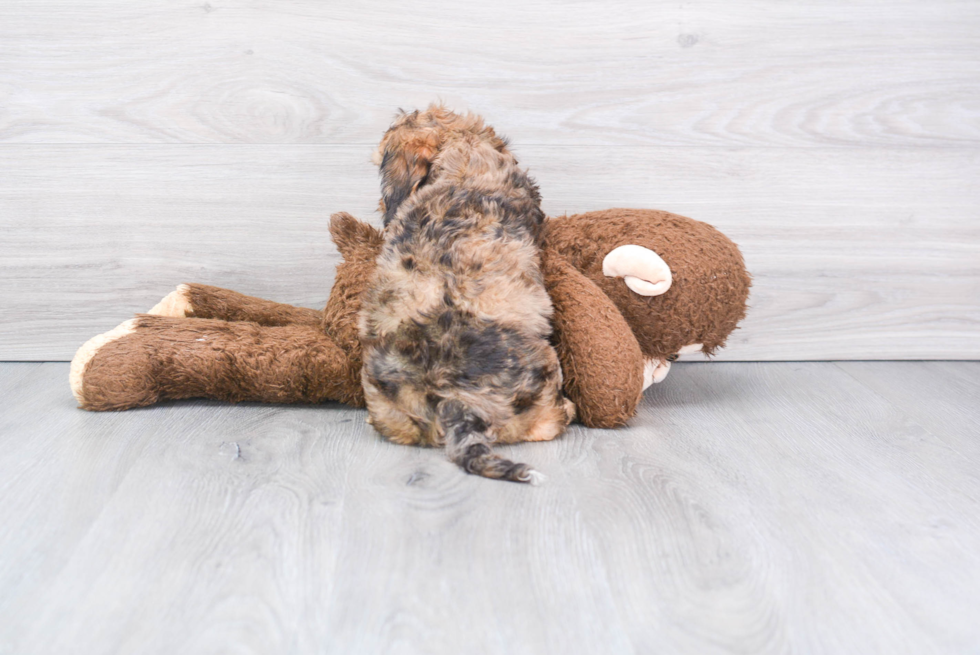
(468, 445)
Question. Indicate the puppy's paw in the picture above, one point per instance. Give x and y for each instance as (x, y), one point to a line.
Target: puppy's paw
(642, 270)
(570, 411)
(176, 304)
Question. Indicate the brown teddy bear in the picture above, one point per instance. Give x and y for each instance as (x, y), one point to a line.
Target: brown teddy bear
(631, 289)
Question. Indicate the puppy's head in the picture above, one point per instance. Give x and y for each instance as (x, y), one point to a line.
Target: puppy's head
(413, 142)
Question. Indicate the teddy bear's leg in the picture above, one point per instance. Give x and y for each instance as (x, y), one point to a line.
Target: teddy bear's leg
(154, 358)
(642, 270)
(205, 301)
(358, 242)
(600, 357)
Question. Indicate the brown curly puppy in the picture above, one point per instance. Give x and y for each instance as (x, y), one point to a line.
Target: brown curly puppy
(455, 324)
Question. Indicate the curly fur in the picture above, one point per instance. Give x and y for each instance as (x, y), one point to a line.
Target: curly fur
(455, 324)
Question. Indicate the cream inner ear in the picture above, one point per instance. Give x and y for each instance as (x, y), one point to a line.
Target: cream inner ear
(643, 270)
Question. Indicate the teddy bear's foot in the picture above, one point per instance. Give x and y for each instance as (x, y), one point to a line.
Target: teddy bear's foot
(643, 271)
(85, 354)
(655, 370)
(176, 304)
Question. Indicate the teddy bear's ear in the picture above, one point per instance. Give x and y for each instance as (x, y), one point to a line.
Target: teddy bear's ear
(355, 239)
(600, 356)
(643, 270)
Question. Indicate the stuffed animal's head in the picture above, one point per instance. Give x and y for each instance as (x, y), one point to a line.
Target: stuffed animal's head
(680, 284)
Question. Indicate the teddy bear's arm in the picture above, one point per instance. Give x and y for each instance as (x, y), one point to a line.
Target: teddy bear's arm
(358, 242)
(205, 301)
(600, 357)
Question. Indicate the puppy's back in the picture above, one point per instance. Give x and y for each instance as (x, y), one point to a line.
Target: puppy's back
(456, 323)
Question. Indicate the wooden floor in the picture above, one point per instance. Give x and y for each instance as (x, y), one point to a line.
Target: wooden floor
(750, 508)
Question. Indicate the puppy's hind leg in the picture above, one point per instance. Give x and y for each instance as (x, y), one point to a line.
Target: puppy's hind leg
(468, 445)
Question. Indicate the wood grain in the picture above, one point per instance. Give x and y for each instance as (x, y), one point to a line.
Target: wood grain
(225, 518)
(885, 268)
(756, 72)
(463, 566)
(763, 508)
(932, 393)
(743, 496)
(142, 145)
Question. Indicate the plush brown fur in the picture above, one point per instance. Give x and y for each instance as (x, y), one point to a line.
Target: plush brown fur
(252, 349)
(171, 358)
(710, 284)
(360, 245)
(214, 302)
(600, 357)
(456, 321)
(596, 342)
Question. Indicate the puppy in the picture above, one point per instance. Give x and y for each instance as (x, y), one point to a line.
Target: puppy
(455, 323)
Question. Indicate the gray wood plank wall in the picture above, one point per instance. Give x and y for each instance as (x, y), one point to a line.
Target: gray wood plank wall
(147, 144)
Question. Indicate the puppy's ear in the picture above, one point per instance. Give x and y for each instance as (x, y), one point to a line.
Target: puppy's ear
(404, 168)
